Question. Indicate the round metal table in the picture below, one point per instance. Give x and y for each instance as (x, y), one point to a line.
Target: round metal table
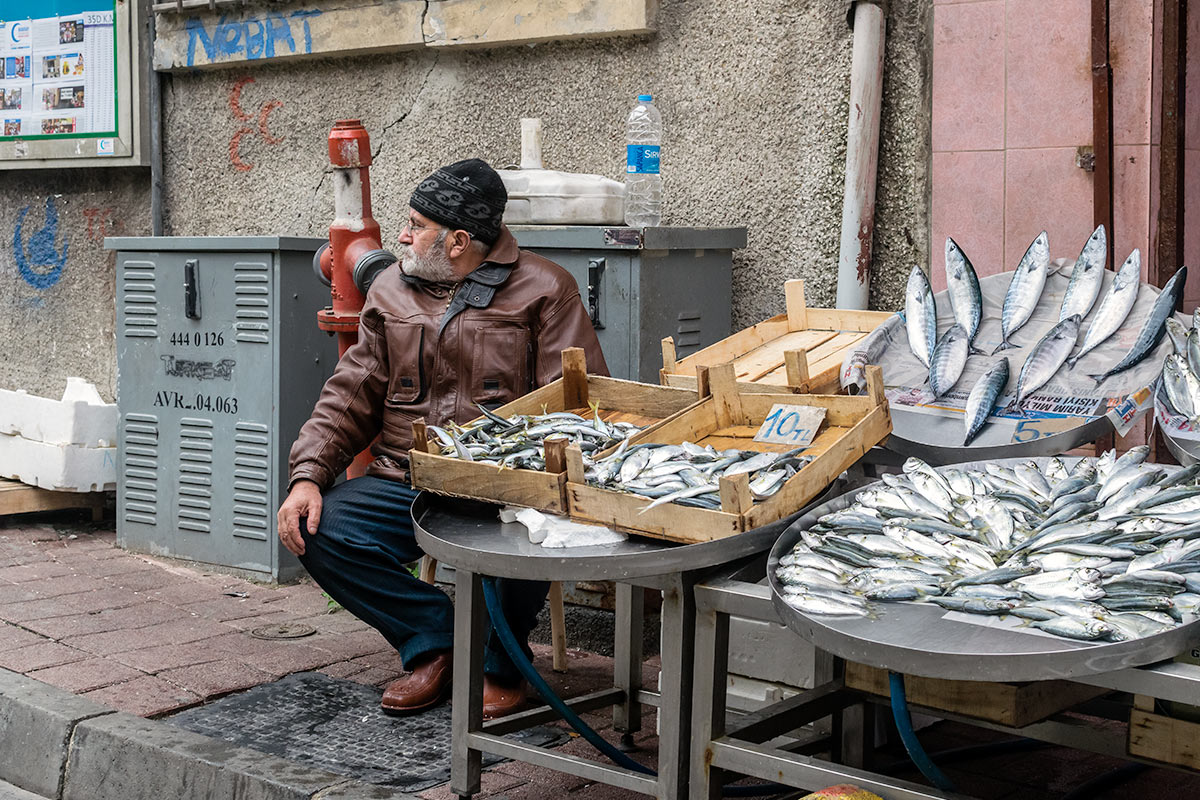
(1186, 451)
(917, 639)
(937, 438)
(470, 537)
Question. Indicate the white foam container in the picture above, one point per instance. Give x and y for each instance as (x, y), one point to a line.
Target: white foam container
(80, 418)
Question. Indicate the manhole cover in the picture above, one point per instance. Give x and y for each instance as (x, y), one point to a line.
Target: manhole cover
(291, 630)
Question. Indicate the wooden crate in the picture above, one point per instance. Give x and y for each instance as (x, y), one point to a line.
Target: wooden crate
(1161, 738)
(1012, 704)
(619, 401)
(20, 498)
(799, 351)
(729, 419)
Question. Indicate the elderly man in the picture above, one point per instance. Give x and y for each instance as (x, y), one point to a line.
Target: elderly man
(465, 318)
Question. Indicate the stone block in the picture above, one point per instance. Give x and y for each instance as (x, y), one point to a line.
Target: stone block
(10, 792)
(36, 721)
(123, 757)
(459, 23)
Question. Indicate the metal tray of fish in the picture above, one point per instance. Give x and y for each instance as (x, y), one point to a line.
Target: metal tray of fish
(1186, 451)
(918, 639)
(1069, 410)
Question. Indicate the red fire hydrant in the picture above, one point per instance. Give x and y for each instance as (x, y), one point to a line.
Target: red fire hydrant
(354, 254)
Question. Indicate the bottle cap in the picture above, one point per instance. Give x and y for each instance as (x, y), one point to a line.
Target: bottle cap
(645, 98)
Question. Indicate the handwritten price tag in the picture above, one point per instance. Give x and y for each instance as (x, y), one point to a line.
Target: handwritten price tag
(1030, 430)
(791, 425)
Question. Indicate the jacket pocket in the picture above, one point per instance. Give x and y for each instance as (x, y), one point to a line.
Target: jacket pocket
(500, 368)
(406, 379)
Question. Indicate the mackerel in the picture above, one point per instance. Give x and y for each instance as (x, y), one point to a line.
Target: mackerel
(868, 350)
(1045, 359)
(962, 284)
(1193, 350)
(1086, 277)
(1153, 329)
(949, 358)
(1115, 306)
(920, 313)
(1024, 290)
(982, 399)
(1178, 334)
(1181, 386)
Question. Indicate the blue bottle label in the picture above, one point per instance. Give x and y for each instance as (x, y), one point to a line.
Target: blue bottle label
(641, 159)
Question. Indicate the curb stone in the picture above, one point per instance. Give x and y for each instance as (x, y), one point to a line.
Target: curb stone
(55, 745)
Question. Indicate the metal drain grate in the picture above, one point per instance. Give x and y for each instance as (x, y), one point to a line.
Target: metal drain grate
(336, 725)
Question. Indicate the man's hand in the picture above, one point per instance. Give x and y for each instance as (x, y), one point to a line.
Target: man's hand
(304, 500)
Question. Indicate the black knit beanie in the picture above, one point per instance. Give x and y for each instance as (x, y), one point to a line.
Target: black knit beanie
(467, 195)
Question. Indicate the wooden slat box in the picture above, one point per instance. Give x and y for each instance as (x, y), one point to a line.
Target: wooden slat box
(1012, 704)
(619, 401)
(799, 351)
(730, 419)
(1161, 738)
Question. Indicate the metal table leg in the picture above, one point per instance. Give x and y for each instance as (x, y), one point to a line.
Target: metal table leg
(627, 664)
(675, 686)
(709, 690)
(467, 695)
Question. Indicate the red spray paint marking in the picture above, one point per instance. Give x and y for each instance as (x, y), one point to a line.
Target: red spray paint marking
(102, 222)
(251, 124)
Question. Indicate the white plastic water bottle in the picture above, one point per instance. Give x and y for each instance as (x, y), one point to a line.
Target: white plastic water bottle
(643, 183)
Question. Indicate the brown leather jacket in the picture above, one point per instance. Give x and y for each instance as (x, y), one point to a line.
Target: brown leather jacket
(423, 352)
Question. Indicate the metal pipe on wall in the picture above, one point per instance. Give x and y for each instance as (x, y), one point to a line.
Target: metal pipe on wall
(1168, 249)
(862, 153)
(154, 92)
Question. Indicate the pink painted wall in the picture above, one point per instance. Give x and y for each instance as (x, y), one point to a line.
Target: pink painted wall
(1012, 100)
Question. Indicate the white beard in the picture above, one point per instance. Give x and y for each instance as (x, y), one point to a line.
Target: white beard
(434, 266)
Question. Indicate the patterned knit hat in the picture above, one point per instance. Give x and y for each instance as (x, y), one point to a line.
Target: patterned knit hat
(467, 195)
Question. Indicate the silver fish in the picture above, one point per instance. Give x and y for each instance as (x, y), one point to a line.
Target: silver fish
(867, 351)
(949, 358)
(1075, 628)
(962, 284)
(1177, 386)
(1193, 350)
(1115, 306)
(1024, 290)
(1046, 358)
(1154, 328)
(1178, 334)
(1086, 277)
(920, 314)
(847, 606)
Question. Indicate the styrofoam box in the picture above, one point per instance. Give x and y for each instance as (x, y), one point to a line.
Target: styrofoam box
(80, 418)
(62, 467)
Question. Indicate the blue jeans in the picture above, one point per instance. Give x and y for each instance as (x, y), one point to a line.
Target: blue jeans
(358, 556)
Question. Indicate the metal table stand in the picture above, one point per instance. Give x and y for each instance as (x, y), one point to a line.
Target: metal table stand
(763, 744)
(477, 545)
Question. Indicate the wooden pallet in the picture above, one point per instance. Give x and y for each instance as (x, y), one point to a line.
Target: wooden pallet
(730, 419)
(21, 498)
(1012, 704)
(798, 351)
(641, 404)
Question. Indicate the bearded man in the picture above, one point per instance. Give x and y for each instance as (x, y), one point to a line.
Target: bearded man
(466, 318)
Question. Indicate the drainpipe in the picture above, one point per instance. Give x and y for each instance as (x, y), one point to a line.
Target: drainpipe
(1102, 147)
(868, 20)
(154, 101)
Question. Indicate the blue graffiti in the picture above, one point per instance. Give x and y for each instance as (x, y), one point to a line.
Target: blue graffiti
(252, 38)
(41, 250)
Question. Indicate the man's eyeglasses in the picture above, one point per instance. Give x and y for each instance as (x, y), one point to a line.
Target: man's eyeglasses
(414, 227)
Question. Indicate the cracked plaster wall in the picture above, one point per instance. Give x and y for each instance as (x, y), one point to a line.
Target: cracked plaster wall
(753, 95)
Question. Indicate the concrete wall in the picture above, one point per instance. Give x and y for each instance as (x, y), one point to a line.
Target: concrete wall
(753, 95)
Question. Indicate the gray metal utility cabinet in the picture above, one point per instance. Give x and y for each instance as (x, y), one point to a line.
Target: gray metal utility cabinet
(643, 284)
(219, 362)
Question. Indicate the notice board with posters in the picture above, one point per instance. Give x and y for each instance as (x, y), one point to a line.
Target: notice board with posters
(69, 86)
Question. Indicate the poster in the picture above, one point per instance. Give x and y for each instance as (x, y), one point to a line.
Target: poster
(57, 68)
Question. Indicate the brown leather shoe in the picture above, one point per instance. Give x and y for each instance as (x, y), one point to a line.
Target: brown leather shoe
(501, 698)
(427, 685)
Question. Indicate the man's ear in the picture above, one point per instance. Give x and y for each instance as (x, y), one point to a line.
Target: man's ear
(459, 242)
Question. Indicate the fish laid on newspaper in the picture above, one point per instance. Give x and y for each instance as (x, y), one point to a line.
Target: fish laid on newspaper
(1153, 329)
(1086, 277)
(962, 284)
(1025, 290)
(1107, 549)
(867, 351)
(1115, 306)
(920, 316)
